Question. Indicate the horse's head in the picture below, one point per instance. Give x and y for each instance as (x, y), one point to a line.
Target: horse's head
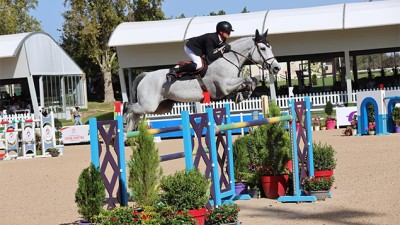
(262, 53)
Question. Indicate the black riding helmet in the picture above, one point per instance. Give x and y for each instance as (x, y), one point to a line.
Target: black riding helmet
(224, 26)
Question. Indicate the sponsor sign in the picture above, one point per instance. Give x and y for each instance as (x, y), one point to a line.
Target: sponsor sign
(75, 134)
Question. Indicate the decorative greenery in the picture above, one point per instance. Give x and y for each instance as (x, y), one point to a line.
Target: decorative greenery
(157, 215)
(241, 159)
(222, 215)
(318, 184)
(329, 110)
(315, 121)
(275, 153)
(185, 191)
(119, 215)
(396, 116)
(324, 157)
(354, 122)
(90, 193)
(144, 169)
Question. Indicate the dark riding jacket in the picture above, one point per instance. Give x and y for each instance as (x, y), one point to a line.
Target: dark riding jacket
(206, 44)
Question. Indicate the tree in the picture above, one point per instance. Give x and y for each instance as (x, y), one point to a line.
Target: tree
(88, 26)
(15, 16)
(245, 10)
(221, 12)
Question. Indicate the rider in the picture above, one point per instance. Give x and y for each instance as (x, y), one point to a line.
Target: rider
(211, 45)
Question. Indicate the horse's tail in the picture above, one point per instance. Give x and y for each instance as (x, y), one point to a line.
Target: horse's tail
(135, 85)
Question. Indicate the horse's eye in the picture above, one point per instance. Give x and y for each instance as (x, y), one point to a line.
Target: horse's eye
(262, 48)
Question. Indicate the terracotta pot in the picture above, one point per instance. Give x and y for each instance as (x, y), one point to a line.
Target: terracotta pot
(323, 173)
(274, 186)
(330, 124)
(198, 215)
(289, 165)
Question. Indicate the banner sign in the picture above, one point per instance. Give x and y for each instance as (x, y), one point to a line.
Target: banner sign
(344, 115)
(75, 134)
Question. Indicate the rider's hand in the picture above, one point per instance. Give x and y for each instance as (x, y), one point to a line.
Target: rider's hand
(227, 48)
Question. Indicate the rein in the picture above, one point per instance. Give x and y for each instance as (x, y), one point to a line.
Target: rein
(250, 59)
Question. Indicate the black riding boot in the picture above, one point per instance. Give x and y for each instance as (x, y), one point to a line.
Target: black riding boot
(190, 67)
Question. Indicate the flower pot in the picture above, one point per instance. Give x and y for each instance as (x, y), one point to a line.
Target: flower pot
(289, 165)
(254, 193)
(198, 215)
(54, 154)
(371, 132)
(320, 195)
(323, 173)
(84, 223)
(397, 129)
(323, 128)
(330, 124)
(274, 186)
(316, 128)
(353, 132)
(241, 188)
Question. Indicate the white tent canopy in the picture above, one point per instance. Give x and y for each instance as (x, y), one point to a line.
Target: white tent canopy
(26, 55)
(331, 17)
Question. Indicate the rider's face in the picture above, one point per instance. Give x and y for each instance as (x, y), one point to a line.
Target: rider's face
(224, 35)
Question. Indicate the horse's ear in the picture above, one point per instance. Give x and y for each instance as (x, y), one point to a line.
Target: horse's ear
(257, 38)
(265, 34)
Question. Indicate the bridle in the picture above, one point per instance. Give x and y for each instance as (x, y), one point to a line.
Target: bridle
(265, 64)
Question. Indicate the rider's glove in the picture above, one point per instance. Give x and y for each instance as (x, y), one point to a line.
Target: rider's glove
(227, 48)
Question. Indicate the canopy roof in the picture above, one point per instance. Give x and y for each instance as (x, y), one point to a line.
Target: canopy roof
(323, 18)
(26, 54)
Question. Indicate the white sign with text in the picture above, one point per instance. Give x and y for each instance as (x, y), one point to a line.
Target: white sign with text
(75, 134)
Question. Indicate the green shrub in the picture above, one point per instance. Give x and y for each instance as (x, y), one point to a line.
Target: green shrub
(324, 157)
(144, 169)
(241, 159)
(329, 109)
(185, 191)
(275, 151)
(90, 193)
(396, 116)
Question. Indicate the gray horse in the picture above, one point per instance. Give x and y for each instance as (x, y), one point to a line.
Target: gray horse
(154, 93)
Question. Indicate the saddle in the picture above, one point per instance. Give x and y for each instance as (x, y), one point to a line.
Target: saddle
(198, 74)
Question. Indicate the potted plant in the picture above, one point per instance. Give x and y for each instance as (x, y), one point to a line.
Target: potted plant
(371, 128)
(316, 123)
(354, 124)
(324, 160)
(240, 164)
(90, 193)
(319, 187)
(144, 168)
(274, 156)
(322, 124)
(224, 214)
(330, 121)
(187, 191)
(53, 152)
(396, 118)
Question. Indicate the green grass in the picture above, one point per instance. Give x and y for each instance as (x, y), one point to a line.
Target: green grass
(100, 111)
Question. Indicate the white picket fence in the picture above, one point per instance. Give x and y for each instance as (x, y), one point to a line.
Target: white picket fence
(318, 101)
